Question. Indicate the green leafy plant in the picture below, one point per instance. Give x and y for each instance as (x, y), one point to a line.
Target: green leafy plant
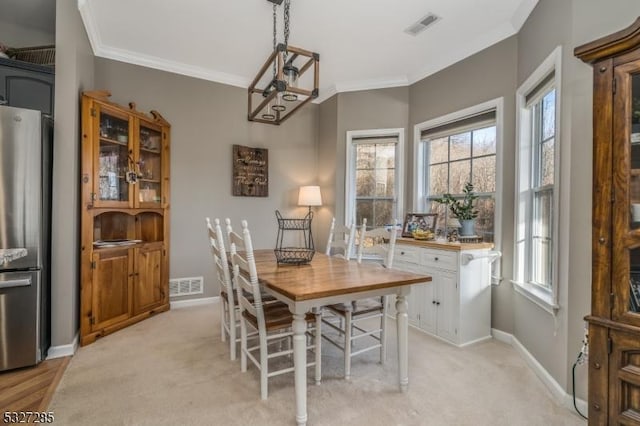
(462, 208)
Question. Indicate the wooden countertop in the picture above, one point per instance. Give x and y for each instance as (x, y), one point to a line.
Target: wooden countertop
(443, 245)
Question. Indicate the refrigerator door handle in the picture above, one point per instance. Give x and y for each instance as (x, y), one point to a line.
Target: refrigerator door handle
(15, 283)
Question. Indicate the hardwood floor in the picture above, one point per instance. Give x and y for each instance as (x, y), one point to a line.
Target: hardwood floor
(31, 388)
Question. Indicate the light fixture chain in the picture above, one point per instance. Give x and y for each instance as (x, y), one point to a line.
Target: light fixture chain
(274, 36)
(287, 3)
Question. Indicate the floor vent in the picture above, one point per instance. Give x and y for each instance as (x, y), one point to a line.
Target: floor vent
(185, 286)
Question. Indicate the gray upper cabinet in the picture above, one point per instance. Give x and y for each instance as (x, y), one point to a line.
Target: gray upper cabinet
(25, 85)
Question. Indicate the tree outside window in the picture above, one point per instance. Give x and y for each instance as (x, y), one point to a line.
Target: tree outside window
(458, 158)
(375, 184)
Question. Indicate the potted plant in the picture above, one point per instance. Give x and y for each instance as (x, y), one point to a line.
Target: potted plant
(463, 208)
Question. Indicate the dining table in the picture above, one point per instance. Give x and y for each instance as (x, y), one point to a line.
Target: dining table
(327, 280)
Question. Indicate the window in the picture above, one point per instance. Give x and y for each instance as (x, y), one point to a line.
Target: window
(542, 115)
(453, 149)
(536, 245)
(374, 177)
(457, 153)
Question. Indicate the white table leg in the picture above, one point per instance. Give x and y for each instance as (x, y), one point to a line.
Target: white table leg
(402, 322)
(300, 367)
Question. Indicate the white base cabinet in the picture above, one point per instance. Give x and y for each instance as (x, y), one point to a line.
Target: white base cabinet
(456, 305)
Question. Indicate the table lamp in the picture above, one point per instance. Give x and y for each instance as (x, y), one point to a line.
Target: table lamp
(309, 196)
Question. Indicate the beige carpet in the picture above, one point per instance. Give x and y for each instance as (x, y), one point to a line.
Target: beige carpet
(174, 370)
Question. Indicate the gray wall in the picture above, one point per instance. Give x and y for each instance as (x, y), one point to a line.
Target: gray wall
(18, 35)
(74, 73)
(544, 335)
(206, 120)
(328, 168)
(487, 75)
(556, 342)
(362, 110)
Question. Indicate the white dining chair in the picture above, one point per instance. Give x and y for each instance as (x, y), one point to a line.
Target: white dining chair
(266, 298)
(376, 245)
(271, 321)
(341, 240)
(229, 314)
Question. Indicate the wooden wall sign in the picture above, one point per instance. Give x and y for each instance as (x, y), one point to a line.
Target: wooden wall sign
(250, 171)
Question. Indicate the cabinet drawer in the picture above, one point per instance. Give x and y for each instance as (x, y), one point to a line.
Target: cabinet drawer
(403, 253)
(440, 259)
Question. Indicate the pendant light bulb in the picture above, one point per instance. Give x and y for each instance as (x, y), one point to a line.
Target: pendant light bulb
(268, 114)
(291, 77)
(278, 104)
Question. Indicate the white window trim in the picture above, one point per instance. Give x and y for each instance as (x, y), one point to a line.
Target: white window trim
(420, 191)
(546, 299)
(350, 190)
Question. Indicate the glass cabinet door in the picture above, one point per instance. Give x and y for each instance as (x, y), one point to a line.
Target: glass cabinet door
(634, 190)
(113, 158)
(150, 165)
(626, 212)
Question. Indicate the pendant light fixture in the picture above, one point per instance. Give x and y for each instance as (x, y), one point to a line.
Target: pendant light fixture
(273, 106)
(281, 94)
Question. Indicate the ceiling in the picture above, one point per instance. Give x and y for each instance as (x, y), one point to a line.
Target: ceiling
(362, 43)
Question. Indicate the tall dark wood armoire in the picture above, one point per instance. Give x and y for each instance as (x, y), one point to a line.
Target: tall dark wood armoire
(614, 322)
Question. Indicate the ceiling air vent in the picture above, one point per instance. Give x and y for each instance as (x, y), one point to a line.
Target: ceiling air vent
(422, 24)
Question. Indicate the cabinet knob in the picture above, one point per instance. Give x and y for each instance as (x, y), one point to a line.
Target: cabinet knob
(596, 365)
(438, 303)
(596, 406)
(435, 258)
(433, 302)
(601, 240)
(401, 252)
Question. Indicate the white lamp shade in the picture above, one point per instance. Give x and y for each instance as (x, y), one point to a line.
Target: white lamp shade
(309, 196)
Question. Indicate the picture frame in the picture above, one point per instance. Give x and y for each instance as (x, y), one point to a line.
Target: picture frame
(423, 221)
(250, 171)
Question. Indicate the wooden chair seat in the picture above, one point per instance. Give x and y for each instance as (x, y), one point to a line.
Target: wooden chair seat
(358, 307)
(266, 298)
(276, 316)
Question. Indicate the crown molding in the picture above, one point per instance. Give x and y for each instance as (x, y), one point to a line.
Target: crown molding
(378, 83)
(171, 66)
(90, 25)
(356, 86)
(451, 57)
(325, 93)
(123, 55)
(522, 13)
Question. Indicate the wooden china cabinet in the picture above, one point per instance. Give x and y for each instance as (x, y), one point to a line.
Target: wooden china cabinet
(124, 216)
(614, 322)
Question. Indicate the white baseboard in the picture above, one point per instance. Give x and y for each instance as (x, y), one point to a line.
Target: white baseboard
(501, 336)
(474, 342)
(64, 350)
(177, 304)
(580, 403)
(70, 349)
(563, 398)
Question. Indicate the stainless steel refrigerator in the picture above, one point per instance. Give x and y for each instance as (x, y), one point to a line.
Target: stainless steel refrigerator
(25, 209)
